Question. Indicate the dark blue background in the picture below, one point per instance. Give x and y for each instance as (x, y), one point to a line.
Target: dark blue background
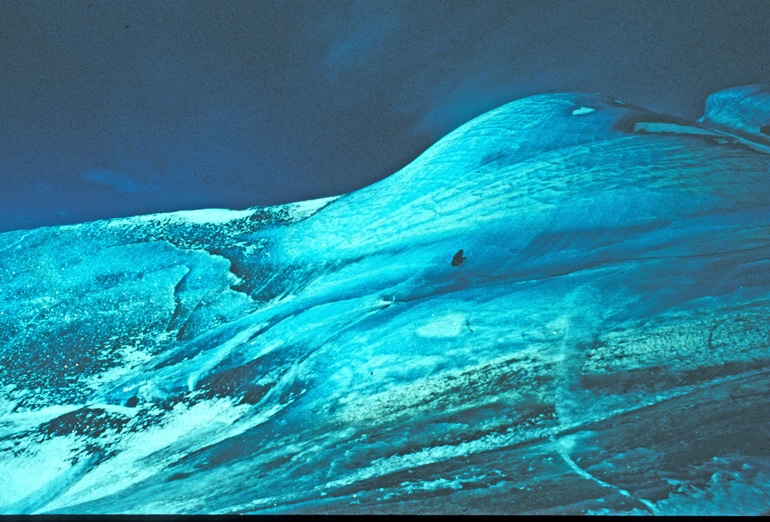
(113, 108)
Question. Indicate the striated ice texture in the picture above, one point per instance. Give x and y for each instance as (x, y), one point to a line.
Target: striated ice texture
(603, 348)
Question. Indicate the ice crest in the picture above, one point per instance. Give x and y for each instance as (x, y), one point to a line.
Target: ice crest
(745, 110)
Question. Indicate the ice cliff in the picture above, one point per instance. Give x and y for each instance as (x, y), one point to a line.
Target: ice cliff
(603, 348)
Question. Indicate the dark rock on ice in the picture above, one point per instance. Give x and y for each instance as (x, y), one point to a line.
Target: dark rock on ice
(458, 258)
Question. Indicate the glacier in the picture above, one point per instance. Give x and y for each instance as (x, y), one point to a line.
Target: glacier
(603, 347)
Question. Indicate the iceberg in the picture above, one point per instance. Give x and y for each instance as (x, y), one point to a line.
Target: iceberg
(559, 308)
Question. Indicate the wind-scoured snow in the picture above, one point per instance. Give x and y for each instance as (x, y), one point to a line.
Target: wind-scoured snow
(602, 348)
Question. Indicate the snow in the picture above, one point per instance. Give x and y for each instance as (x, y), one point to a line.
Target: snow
(582, 110)
(440, 327)
(220, 216)
(603, 343)
(304, 209)
(198, 217)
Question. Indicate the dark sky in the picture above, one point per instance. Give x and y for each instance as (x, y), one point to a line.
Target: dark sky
(113, 108)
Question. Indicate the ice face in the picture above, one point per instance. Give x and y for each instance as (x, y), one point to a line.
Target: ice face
(745, 110)
(601, 348)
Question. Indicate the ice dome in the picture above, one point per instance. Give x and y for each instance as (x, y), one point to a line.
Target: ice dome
(602, 348)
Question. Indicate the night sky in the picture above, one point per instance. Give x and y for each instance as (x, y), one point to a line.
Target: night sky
(111, 109)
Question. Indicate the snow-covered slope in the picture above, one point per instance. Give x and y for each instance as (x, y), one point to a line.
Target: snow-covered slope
(603, 348)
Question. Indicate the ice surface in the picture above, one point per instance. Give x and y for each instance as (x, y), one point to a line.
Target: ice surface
(602, 349)
(742, 109)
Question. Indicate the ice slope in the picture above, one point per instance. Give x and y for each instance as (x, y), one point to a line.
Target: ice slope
(604, 348)
(743, 110)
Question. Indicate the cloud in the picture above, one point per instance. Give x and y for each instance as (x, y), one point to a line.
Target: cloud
(357, 47)
(458, 105)
(117, 180)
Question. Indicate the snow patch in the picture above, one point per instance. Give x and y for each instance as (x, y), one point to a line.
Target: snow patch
(19, 485)
(185, 429)
(582, 110)
(204, 216)
(305, 209)
(446, 326)
(209, 216)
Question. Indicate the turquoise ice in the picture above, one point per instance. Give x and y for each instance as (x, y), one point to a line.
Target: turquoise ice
(603, 348)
